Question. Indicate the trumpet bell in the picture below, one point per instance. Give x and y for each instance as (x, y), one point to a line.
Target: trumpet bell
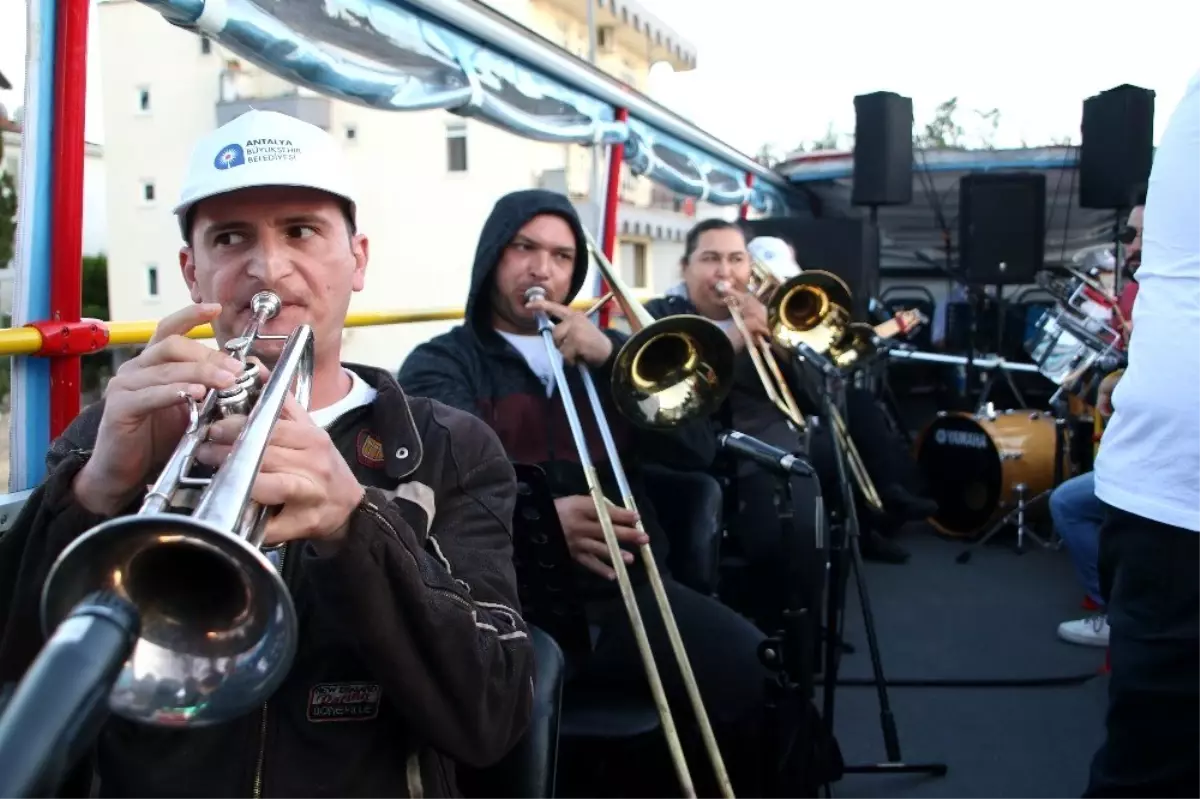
(218, 626)
(674, 370)
(810, 309)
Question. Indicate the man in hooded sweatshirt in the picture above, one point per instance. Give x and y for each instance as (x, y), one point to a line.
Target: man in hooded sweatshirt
(496, 366)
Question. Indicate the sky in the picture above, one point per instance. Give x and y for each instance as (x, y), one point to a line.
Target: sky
(781, 72)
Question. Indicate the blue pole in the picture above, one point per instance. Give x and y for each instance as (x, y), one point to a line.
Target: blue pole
(30, 397)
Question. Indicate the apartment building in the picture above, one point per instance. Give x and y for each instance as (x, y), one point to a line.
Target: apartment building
(427, 179)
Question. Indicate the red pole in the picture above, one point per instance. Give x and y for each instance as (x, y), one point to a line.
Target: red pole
(66, 282)
(612, 197)
(745, 209)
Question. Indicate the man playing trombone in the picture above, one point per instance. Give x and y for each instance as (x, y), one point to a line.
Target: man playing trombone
(497, 366)
(716, 270)
(393, 533)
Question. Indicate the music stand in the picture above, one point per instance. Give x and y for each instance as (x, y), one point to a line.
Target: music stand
(545, 570)
(836, 602)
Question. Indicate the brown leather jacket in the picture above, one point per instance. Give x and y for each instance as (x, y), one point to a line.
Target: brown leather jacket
(413, 652)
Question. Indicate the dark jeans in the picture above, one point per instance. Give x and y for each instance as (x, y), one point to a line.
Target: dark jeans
(1150, 580)
(722, 648)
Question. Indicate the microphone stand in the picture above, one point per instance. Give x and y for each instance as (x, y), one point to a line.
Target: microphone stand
(836, 604)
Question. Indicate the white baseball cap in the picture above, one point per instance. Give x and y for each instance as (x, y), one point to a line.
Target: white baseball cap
(774, 254)
(264, 148)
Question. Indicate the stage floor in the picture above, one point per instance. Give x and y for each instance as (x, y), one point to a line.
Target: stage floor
(993, 618)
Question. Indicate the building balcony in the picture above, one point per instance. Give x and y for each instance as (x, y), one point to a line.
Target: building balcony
(626, 25)
(314, 109)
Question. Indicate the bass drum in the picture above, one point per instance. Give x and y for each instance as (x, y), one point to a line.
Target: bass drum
(974, 462)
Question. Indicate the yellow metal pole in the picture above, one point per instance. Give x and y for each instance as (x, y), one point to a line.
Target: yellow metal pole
(27, 340)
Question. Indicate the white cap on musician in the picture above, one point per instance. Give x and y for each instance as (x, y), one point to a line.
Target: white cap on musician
(264, 148)
(775, 254)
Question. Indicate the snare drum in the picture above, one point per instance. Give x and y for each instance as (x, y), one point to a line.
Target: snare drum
(974, 462)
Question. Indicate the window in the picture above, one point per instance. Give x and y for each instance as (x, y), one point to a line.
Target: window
(641, 267)
(456, 147)
(205, 45)
(635, 263)
(147, 191)
(351, 132)
(143, 99)
(152, 281)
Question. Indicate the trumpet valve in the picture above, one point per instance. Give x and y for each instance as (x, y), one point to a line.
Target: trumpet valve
(237, 399)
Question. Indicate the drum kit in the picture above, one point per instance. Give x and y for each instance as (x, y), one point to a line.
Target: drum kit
(992, 469)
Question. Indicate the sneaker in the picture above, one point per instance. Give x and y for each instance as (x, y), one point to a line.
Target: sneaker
(1092, 631)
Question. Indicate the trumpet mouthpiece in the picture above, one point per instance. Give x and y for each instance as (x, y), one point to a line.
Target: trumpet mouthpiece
(266, 303)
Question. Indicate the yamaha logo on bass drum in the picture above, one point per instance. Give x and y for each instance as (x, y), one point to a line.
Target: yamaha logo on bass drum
(961, 438)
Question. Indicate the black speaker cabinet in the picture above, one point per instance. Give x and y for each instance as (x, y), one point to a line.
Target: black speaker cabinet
(1001, 226)
(883, 150)
(1118, 146)
(847, 247)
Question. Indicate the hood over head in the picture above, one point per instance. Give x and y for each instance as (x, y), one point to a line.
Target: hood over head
(509, 215)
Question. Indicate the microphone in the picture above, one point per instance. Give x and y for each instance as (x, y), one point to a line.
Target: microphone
(773, 458)
(62, 701)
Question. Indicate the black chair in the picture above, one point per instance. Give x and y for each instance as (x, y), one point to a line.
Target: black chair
(530, 769)
(597, 724)
(690, 507)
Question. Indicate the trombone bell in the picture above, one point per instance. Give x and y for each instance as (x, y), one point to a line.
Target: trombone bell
(671, 371)
(810, 309)
(218, 625)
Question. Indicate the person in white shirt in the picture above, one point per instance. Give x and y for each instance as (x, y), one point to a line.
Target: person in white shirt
(1148, 477)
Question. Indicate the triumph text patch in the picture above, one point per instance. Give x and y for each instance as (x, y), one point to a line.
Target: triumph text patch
(344, 701)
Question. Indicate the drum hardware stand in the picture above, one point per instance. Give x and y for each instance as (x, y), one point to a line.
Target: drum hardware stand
(990, 380)
(1016, 516)
(836, 603)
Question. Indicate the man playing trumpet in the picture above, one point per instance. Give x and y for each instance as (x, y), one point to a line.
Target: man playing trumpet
(394, 513)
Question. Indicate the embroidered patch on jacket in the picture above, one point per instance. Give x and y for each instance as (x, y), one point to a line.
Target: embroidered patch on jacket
(344, 701)
(370, 450)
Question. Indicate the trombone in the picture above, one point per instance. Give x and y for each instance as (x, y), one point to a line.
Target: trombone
(671, 371)
(763, 358)
(218, 625)
(809, 311)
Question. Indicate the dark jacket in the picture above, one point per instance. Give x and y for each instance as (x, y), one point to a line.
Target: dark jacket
(474, 368)
(415, 619)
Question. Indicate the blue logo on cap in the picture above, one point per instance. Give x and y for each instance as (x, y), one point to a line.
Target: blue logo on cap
(231, 155)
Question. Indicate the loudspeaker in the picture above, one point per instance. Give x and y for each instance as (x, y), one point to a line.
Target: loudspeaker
(883, 149)
(1117, 148)
(1001, 226)
(847, 247)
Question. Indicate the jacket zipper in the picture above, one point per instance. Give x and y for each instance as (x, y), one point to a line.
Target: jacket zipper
(262, 730)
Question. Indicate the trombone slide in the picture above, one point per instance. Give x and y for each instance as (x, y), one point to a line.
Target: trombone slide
(618, 562)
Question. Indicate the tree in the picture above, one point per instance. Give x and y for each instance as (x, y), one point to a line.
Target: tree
(942, 132)
(8, 213)
(95, 367)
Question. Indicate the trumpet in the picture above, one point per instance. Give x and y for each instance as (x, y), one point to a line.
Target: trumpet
(674, 370)
(218, 625)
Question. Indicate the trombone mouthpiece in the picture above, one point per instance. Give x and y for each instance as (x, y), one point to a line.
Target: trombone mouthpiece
(535, 293)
